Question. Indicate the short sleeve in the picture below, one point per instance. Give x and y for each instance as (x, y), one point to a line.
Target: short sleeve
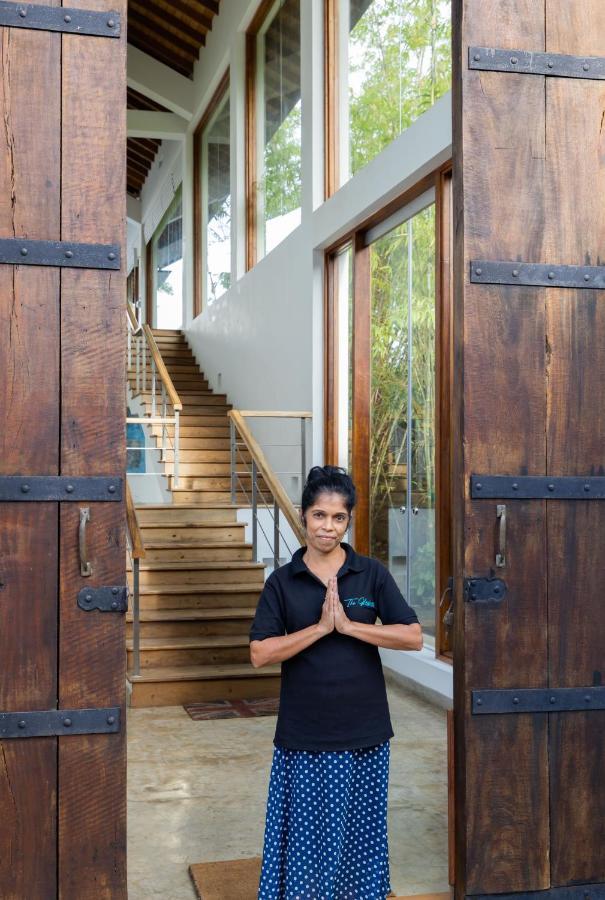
(269, 620)
(392, 607)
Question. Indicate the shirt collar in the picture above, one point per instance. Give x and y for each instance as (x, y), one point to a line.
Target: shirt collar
(353, 561)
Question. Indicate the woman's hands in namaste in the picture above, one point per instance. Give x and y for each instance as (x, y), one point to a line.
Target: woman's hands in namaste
(333, 615)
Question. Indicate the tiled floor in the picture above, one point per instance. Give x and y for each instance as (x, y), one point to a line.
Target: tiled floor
(197, 791)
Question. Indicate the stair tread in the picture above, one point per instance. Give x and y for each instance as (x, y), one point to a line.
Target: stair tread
(211, 505)
(161, 523)
(192, 615)
(197, 545)
(244, 565)
(191, 643)
(235, 587)
(199, 673)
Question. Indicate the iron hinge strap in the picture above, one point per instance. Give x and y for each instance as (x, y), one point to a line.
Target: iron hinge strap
(105, 599)
(15, 488)
(538, 487)
(59, 722)
(537, 700)
(16, 251)
(60, 18)
(488, 271)
(528, 62)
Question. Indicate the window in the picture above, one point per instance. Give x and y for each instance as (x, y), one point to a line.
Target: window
(213, 190)
(389, 368)
(274, 128)
(392, 61)
(167, 267)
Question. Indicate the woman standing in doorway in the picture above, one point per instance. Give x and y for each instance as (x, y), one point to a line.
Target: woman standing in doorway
(326, 821)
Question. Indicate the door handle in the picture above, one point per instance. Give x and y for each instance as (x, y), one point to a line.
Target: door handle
(85, 566)
(501, 554)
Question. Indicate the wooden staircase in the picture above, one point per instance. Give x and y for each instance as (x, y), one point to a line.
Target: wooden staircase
(198, 583)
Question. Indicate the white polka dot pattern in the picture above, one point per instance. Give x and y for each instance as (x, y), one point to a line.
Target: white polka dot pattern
(326, 825)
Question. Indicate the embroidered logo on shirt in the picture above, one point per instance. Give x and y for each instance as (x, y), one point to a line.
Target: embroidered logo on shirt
(358, 601)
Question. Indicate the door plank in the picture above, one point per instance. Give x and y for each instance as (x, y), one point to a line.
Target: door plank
(92, 785)
(576, 431)
(29, 438)
(502, 815)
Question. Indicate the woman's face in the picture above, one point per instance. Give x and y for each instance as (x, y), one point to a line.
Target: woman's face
(326, 521)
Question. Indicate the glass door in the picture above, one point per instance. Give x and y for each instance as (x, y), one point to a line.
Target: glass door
(402, 402)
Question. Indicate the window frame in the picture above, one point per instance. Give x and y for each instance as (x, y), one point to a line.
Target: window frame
(252, 136)
(441, 182)
(199, 255)
(151, 268)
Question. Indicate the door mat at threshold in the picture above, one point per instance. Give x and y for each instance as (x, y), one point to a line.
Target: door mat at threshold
(238, 879)
(233, 709)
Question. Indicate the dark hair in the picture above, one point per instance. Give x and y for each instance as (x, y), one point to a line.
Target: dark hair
(328, 480)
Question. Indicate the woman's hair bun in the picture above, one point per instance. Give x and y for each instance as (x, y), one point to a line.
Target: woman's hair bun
(328, 479)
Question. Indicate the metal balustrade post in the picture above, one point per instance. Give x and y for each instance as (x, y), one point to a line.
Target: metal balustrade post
(144, 364)
(136, 642)
(254, 513)
(164, 429)
(232, 446)
(303, 450)
(275, 535)
(176, 448)
(138, 354)
(129, 348)
(153, 373)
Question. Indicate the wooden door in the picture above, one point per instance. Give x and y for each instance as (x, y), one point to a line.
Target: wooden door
(62, 358)
(529, 181)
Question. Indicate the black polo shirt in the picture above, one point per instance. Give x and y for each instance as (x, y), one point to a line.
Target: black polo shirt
(333, 693)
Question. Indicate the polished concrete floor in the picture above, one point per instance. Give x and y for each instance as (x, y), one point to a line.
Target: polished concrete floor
(197, 791)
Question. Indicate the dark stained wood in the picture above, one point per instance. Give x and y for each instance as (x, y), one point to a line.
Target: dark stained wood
(331, 411)
(575, 330)
(331, 98)
(29, 438)
(251, 161)
(171, 31)
(361, 394)
(502, 801)
(92, 768)
(215, 100)
(149, 298)
(451, 800)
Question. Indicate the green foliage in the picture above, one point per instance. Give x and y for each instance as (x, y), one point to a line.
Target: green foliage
(282, 180)
(400, 63)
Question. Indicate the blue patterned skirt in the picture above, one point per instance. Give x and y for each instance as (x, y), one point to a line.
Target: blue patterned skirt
(326, 825)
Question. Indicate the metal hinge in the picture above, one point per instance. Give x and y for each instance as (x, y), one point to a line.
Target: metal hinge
(489, 271)
(538, 487)
(59, 722)
(19, 252)
(60, 18)
(530, 62)
(59, 487)
(533, 700)
(105, 599)
(488, 591)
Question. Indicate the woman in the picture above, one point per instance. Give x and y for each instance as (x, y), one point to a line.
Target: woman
(326, 823)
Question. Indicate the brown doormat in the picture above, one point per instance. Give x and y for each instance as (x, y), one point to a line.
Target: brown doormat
(238, 879)
(233, 709)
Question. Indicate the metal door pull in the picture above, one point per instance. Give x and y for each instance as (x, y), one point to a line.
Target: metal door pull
(501, 554)
(85, 566)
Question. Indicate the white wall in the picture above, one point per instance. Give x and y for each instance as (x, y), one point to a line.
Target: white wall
(262, 342)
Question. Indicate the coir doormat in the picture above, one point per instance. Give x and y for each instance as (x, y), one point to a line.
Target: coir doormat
(233, 709)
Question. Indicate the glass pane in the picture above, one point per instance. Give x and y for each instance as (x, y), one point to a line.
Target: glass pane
(388, 402)
(343, 288)
(216, 189)
(422, 481)
(279, 121)
(168, 267)
(399, 63)
(402, 474)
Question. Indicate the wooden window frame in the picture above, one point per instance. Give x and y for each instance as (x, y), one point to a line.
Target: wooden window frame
(215, 101)
(441, 181)
(331, 96)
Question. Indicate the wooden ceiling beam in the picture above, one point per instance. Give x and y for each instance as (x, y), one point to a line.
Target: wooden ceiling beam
(163, 38)
(178, 13)
(159, 54)
(180, 32)
(133, 145)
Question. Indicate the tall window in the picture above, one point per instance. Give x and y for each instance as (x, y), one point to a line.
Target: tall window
(215, 201)
(275, 129)
(167, 267)
(394, 62)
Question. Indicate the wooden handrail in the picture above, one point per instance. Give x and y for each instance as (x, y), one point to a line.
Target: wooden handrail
(274, 414)
(161, 369)
(277, 491)
(132, 523)
(132, 317)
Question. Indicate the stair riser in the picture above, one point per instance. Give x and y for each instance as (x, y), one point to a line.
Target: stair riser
(199, 444)
(172, 515)
(226, 533)
(175, 693)
(198, 468)
(208, 497)
(198, 404)
(189, 657)
(201, 576)
(199, 601)
(214, 483)
(213, 426)
(220, 554)
(203, 456)
(191, 629)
